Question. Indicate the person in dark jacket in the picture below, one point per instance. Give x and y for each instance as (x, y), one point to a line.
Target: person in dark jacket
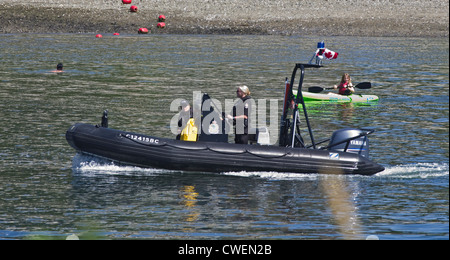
(186, 113)
(241, 115)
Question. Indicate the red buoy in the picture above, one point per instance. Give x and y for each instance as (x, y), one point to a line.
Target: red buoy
(99, 36)
(143, 31)
(161, 25)
(133, 8)
(162, 18)
(116, 34)
(126, 2)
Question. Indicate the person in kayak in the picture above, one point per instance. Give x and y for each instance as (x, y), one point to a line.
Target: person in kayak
(345, 87)
(241, 115)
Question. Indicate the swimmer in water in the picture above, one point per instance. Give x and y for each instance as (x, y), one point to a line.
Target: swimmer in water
(59, 68)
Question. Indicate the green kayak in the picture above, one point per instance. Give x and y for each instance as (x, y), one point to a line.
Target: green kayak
(333, 97)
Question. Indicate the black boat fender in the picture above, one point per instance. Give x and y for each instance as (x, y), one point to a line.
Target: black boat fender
(217, 147)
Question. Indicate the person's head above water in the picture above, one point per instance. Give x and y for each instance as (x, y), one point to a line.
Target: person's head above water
(59, 68)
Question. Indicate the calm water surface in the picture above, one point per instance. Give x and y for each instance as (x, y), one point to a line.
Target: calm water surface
(47, 191)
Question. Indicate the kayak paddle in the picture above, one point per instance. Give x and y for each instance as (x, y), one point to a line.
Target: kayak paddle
(362, 85)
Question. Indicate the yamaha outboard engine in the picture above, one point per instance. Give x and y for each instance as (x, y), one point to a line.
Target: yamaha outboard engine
(351, 140)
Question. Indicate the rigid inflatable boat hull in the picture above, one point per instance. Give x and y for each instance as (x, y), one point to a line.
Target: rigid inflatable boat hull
(153, 152)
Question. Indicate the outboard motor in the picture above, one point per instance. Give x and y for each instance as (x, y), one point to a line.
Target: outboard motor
(351, 140)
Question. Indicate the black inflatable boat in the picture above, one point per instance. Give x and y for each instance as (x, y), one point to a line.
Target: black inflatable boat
(346, 152)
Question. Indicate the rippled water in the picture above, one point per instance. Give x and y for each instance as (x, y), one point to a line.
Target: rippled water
(47, 191)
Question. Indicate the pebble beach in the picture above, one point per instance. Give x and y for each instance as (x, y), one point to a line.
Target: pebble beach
(384, 18)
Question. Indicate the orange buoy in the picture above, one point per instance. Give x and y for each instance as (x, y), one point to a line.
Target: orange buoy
(133, 9)
(143, 31)
(99, 36)
(162, 18)
(161, 25)
(126, 2)
(116, 34)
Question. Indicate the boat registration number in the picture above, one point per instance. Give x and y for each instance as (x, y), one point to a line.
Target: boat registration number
(142, 139)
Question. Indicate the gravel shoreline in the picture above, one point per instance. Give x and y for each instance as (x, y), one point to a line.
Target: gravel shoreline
(404, 18)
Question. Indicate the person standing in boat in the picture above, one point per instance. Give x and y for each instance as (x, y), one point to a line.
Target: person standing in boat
(186, 113)
(345, 87)
(241, 115)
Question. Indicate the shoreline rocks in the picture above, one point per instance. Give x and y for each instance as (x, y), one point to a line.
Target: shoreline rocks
(275, 17)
